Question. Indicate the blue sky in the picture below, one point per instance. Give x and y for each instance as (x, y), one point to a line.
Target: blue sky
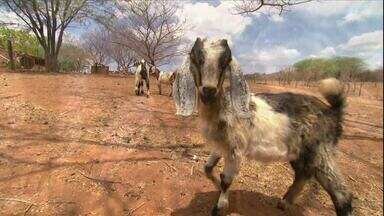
(264, 42)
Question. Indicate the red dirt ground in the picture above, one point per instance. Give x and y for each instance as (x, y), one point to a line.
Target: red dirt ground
(86, 145)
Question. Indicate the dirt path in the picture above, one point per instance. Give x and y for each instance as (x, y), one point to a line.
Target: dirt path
(85, 145)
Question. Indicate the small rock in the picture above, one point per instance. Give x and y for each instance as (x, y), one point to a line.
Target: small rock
(194, 157)
(127, 139)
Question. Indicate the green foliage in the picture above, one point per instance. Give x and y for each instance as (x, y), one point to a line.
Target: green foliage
(23, 41)
(339, 67)
(72, 58)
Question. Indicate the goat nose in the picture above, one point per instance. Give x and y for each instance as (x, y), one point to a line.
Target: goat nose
(209, 91)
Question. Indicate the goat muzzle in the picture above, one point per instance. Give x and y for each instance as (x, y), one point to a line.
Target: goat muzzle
(208, 94)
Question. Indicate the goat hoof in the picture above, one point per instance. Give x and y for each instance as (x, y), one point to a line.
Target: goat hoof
(207, 170)
(283, 205)
(215, 211)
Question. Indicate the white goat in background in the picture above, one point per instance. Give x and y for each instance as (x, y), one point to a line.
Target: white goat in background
(163, 77)
(141, 76)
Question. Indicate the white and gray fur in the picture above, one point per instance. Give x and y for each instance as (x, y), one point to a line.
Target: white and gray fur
(162, 77)
(141, 76)
(267, 127)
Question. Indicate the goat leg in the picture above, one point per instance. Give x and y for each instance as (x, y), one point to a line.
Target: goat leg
(208, 168)
(293, 191)
(330, 179)
(231, 168)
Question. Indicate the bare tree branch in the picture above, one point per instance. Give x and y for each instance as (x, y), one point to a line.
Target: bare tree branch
(95, 42)
(150, 28)
(251, 6)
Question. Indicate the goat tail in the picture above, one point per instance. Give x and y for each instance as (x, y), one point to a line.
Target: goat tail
(333, 91)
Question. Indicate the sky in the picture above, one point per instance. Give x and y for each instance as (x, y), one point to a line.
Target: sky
(265, 42)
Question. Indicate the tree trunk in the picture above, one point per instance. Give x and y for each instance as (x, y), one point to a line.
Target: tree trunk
(152, 62)
(361, 86)
(51, 64)
(10, 54)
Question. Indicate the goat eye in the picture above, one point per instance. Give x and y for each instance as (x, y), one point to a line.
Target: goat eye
(197, 57)
(201, 61)
(225, 62)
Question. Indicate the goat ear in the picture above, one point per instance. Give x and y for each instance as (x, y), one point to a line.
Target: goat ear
(238, 90)
(184, 90)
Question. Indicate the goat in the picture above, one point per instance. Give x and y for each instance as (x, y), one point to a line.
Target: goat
(163, 78)
(267, 127)
(141, 76)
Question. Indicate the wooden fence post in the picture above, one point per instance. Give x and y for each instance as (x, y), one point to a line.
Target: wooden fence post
(10, 53)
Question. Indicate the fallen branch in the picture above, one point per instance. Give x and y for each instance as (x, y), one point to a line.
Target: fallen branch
(18, 200)
(173, 168)
(192, 170)
(380, 188)
(136, 208)
(101, 180)
(27, 210)
(33, 203)
(350, 177)
(61, 202)
(10, 96)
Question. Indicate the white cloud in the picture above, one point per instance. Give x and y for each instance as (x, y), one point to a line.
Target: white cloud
(367, 10)
(324, 8)
(277, 18)
(270, 60)
(352, 11)
(11, 18)
(206, 20)
(365, 42)
(327, 51)
(367, 46)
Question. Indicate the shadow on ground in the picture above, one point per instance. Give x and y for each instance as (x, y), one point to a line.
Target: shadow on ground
(242, 202)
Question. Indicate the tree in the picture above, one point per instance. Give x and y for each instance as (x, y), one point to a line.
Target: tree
(72, 57)
(123, 56)
(96, 44)
(23, 42)
(48, 19)
(344, 68)
(150, 28)
(251, 6)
